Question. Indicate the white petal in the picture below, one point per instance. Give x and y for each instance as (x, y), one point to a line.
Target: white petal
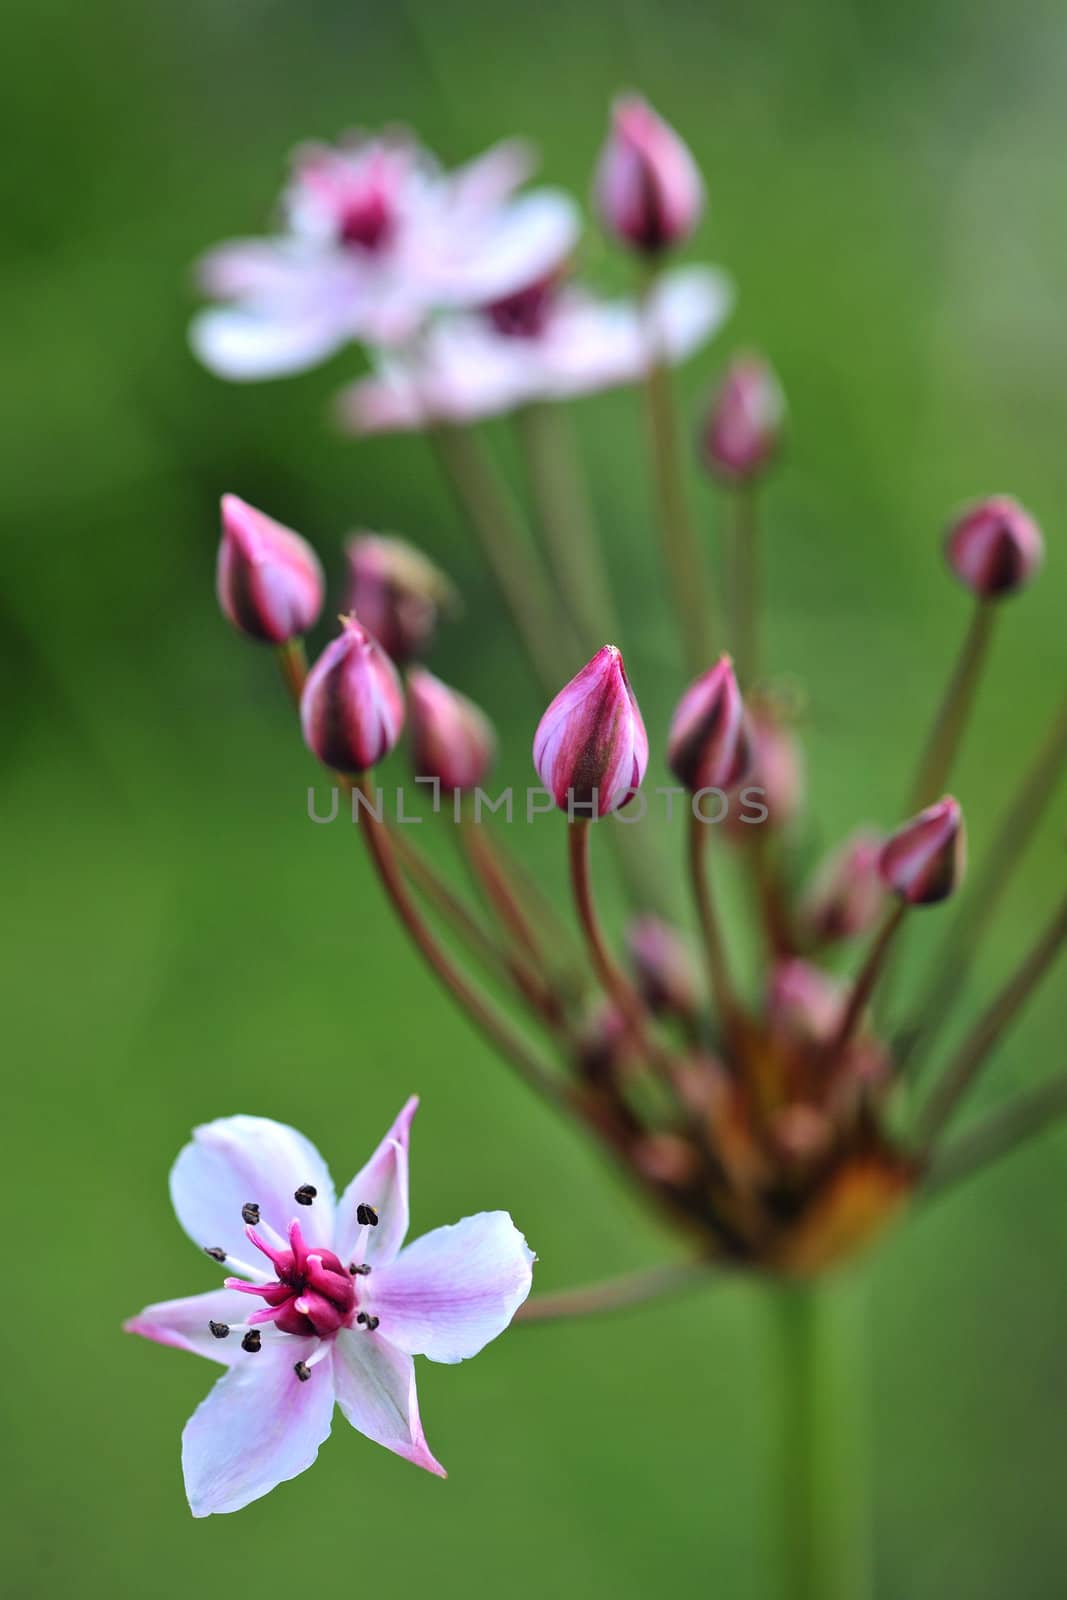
(490, 178)
(525, 241)
(238, 1160)
(454, 1289)
(184, 1323)
(245, 345)
(259, 1426)
(376, 1391)
(689, 306)
(383, 1184)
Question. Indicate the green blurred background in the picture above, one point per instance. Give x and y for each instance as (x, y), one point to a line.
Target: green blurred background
(886, 188)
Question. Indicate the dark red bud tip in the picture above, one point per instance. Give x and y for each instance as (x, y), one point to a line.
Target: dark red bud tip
(352, 707)
(710, 744)
(397, 594)
(268, 579)
(451, 739)
(923, 862)
(743, 429)
(648, 190)
(591, 748)
(994, 547)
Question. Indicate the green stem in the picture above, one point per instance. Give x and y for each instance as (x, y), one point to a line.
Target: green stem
(947, 731)
(681, 549)
(566, 520)
(484, 498)
(821, 1488)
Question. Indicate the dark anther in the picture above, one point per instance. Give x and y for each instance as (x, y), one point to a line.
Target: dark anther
(359, 1269)
(252, 1341)
(250, 1213)
(305, 1194)
(221, 1330)
(366, 1216)
(303, 1371)
(370, 1323)
(215, 1251)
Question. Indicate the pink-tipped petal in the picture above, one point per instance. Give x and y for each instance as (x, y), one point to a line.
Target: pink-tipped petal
(452, 739)
(259, 1426)
(452, 1291)
(995, 547)
(649, 192)
(923, 862)
(591, 748)
(744, 424)
(710, 744)
(186, 1324)
(268, 579)
(376, 1391)
(382, 1184)
(243, 1160)
(352, 706)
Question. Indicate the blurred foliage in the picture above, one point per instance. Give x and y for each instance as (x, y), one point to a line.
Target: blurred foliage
(180, 943)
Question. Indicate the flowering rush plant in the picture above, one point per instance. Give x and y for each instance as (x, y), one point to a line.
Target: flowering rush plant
(780, 1121)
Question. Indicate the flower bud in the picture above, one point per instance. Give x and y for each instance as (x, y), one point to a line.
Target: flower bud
(352, 707)
(804, 1004)
(663, 963)
(452, 740)
(710, 744)
(397, 593)
(923, 861)
(591, 748)
(776, 779)
(648, 190)
(846, 893)
(994, 547)
(744, 423)
(268, 579)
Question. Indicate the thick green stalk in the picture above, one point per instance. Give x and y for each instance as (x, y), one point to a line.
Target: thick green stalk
(821, 1490)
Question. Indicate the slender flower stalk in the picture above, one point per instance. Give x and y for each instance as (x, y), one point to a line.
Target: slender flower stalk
(681, 548)
(869, 973)
(499, 1031)
(511, 559)
(999, 1134)
(746, 582)
(625, 1293)
(946, 734)
(566, 520)
(960, 1076)
(719, 979)
(989, 882)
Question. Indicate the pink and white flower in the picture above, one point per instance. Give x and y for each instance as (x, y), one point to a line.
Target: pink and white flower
(548, 343)
(344, 1304)
(376, 237)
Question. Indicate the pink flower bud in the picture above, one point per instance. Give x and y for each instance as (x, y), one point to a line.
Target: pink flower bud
(804, 1004)
(352, 707)
(268, 579)
(994, 547)
(847, 893)
(923, 861)
(452, 740)
(666, 972)
(744, 424)
(396, 592)
(648, 190)
(591, 748)
(710, 744)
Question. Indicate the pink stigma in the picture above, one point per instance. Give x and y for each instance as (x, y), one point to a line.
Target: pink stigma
(312, 1293)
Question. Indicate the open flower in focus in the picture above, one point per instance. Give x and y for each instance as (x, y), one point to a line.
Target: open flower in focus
(324, 1303)
(549, 342)
(376, 236)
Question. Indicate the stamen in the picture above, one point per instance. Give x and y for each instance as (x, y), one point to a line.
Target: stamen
(305, 1194)
(370, 1323)
(359, 1269)
(302, 1371)
(366, 1216)
(250, 1213)
(220, 1330)
(252, 1341)
(215, 1251)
